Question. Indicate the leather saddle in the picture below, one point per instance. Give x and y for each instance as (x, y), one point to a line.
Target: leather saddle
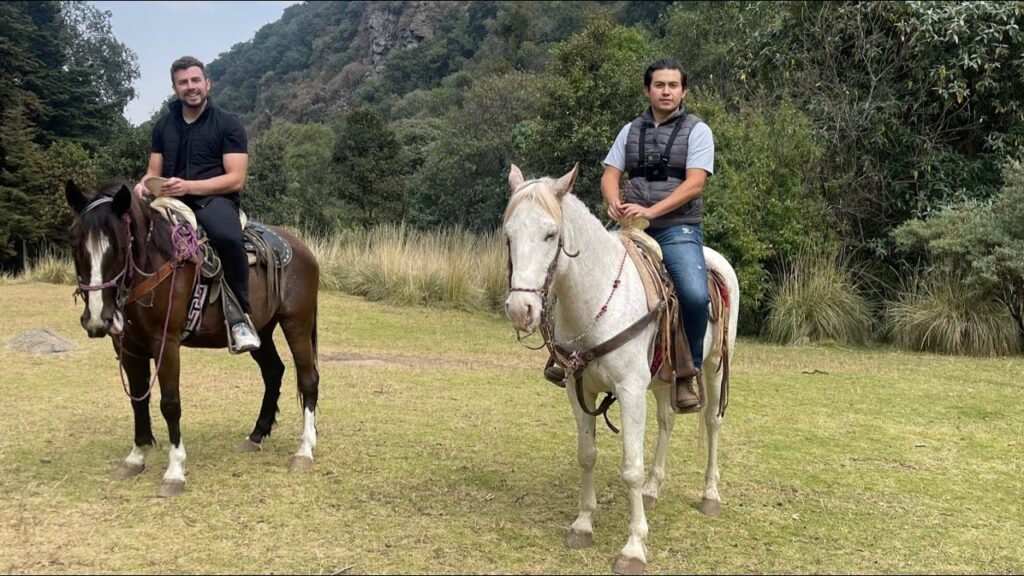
(263, 246)
(672, 358)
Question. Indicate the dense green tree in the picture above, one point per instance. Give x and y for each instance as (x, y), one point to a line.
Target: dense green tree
(125, 154)
(594, 86)
(22, 181)
(463, 180)
(983, 243)
(709, 39)
(370, 169)
(289, 181)
(918, 102)
(65, 80)
(761, 205)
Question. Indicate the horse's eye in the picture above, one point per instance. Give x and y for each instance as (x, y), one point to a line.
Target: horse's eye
(550, 236)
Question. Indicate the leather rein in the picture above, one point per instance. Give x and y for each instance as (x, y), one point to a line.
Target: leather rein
(186, 248)
(574, 361)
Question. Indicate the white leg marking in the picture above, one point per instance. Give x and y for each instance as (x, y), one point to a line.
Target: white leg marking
(137, 457)
(176, 463)
(97, 245)
(308, 434)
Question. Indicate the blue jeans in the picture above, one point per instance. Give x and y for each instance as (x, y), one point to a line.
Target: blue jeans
(683, 248)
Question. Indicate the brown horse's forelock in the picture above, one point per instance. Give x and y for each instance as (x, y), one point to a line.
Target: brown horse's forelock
(104, 219)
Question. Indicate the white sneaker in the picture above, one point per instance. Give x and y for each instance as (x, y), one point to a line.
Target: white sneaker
(243, 338)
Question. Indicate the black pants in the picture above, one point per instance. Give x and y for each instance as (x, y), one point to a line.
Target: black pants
(220, 220)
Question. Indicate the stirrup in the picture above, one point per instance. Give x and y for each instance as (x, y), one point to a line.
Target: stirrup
(554, 373)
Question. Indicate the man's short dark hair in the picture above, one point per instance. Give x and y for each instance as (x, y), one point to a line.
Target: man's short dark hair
(664, 64)
(186, 62)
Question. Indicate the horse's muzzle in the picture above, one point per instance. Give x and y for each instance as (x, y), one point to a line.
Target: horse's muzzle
(523, 310)
(105, 326)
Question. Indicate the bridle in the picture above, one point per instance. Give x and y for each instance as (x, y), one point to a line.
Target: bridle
(185, 247)
(544, 292)
(123, 279)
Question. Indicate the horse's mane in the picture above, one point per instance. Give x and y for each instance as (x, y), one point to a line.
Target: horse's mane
(149, 229)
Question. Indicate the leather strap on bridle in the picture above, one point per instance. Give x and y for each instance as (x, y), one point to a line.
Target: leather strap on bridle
(578, 361)
(147, 285)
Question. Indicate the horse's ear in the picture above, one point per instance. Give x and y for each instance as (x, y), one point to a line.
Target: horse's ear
(564, 184)
(122, 200)
(76, 199)
(515, 177)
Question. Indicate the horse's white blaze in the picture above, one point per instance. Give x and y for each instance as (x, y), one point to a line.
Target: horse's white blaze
(97, 246)
(137, 457)
(308, 434)
(176, 463)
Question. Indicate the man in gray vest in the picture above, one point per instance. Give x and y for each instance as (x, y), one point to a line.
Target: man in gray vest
(668, 154)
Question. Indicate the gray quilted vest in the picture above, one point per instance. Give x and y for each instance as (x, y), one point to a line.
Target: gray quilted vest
(640, 190)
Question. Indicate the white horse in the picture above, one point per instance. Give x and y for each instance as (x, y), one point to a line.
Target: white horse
(544, 220)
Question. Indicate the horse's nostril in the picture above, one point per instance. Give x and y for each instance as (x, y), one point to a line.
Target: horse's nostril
(529, 311)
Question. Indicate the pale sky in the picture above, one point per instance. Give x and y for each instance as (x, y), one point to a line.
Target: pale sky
(161, 32)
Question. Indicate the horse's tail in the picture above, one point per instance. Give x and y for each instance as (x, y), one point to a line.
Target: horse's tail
(725, 325)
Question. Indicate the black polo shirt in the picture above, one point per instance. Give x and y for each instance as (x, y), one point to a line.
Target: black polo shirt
(196, 151)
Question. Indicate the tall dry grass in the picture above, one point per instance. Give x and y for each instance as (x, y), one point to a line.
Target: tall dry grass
(942, 314)
(51, 267)
(449, 268)
(819, 298)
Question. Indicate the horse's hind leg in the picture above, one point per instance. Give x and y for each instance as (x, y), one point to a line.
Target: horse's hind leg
(666, 420)
(136, 366)
(711, 502)
(581, 533)
(301, 336)
(272, 370)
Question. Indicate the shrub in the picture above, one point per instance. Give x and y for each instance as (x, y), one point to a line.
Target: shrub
(818, 298)
(946, 315)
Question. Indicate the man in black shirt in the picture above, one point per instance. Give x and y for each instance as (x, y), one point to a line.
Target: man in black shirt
(202, 151)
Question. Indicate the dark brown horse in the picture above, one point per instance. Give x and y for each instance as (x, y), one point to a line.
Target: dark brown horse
(121, 248)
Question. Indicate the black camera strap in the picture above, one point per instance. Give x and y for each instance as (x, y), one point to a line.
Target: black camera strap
(672, 138)
(643, 143)
(641, 171)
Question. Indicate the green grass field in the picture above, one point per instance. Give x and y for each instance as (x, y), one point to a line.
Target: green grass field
(442, 449)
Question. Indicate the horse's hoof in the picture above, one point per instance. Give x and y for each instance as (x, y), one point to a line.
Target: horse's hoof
(650, 502)
(625, 565)
(709, 507)
(126, 471)
(171, 489)
(249, 446)
(300, 463)
(579, 540)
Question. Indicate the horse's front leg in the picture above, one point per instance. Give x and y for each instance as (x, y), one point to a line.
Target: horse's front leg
(666, 421)
(711, 501)
(633, 407)
(581, 533)
(136, 367)
(170, 406)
